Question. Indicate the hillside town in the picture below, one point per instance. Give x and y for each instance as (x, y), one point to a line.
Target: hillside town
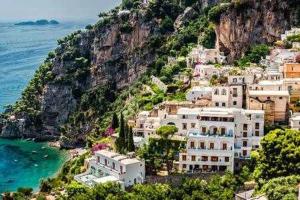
(222, 120)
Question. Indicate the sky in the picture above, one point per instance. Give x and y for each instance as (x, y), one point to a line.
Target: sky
(67, 10)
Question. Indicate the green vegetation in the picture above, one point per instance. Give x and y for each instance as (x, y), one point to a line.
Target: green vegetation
(282, 188)
(254, 55)
(294, 38)
(277, 164)
(279, 154)
(218, 187)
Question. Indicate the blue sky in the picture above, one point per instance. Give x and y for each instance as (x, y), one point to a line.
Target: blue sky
(12, 10)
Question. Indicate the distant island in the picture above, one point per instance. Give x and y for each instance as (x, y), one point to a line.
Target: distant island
(38, 23)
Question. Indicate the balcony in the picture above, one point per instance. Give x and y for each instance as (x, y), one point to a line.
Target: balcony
(198, 133)
(217, 152)
(107, 169)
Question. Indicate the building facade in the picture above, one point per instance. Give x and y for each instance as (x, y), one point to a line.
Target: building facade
(111, 166)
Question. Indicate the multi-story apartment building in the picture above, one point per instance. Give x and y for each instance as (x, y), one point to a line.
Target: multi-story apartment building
(291, 70)
(217, 136)
(110, 166)
(230, 96)
(273, 102)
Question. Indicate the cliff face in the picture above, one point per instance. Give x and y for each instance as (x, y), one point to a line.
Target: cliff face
(115, 58)
(254, 21)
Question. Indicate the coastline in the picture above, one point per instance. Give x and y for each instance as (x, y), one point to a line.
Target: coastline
(33, 161)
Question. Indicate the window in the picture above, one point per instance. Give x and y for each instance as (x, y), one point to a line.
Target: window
(245, 134)
(223, 104)
(215, 130)
(105, 162)
(257, 133)
(193, 125)
(202, 146)
(224, 146)
(234, 80)
(234, 103)
(184, 126)
(217, 104)
(211, 145)
(121, 169)
(114, 166)
(192, 145)
(234, 92)
(184, 166)
(98, 159)
(226, 159)
(216, 92)
(223, 131)
(245, 127)
(204, 158)
(256, 125)
(244, 152)
(193, 158)
(280, 97)
(214, 159)
(203, 129)
(244, 143)
(183, 117)
(224, 92)
(184, 157)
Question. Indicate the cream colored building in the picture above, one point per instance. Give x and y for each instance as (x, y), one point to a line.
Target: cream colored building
(217, 136)
(274, 103)
(295, 121)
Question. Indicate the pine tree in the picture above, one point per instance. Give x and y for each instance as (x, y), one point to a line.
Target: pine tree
(126, 136)
(130, 141)
(115, 121)
(120, 142)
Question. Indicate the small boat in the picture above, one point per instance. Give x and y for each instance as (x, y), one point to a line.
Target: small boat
(45, 156)
(43, 148)
(16, 160)
(34, 152)
(36, 165)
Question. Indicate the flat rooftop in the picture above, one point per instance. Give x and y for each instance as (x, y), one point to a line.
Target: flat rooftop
(269, 93)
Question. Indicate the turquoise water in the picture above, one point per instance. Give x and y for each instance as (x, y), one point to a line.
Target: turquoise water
(22, 50)
(24, 164)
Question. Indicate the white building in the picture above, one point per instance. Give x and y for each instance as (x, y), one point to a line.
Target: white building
(200, 54)
(107, 166)
(295, 121)
(217, 136)
(198, 93)
(146, 125)
(228, 96)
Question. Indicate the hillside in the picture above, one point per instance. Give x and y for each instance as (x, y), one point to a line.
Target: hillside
(87, 77)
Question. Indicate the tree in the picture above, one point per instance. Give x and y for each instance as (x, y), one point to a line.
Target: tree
(279, 154)
(130, 141)
(166, 25)
(115, 121)
(165, 133)
(120, 142)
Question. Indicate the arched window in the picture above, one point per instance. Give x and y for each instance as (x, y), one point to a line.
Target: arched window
(216, 91)
(224, 92)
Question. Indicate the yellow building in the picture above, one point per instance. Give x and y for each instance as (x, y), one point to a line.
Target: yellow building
(291, 70)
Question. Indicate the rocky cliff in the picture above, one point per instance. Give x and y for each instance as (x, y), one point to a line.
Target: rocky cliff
(109, 54)
(248, 22)
(78, 82)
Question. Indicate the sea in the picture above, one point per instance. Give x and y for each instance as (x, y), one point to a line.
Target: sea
(22, 50)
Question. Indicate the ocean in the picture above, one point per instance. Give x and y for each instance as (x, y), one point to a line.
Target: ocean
(22, 50)
(25, 164)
